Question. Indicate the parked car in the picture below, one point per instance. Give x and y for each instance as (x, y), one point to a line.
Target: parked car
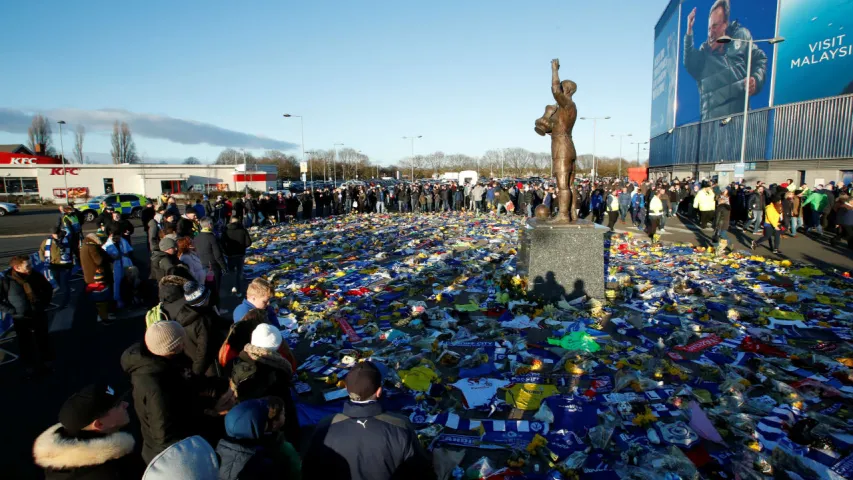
(129, 204)
(6, 208)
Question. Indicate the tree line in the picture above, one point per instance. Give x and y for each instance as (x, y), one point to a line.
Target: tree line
(40, 140)
(346, 163)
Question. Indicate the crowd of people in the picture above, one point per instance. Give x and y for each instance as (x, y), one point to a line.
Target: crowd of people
(212, 392)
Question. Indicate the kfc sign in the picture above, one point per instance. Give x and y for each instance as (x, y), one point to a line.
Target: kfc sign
(7, 158)
(63, 171)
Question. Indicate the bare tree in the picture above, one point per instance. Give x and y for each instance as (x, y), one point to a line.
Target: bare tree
(229, 156)
(191, 161)
(39, 134)
(123, 148)
(79, 136)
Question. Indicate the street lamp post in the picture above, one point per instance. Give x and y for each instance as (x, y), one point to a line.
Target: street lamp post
(62, 152)
(412, 138)
(727, 39)
(638, 149)
(621, 141)
(594, 125)
(302, 135)
(335, 168)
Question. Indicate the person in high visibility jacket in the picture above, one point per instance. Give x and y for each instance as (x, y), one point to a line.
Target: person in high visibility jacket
(706, 204)
(655, 213)
(70, 223)
(55, 251)
(612, 207)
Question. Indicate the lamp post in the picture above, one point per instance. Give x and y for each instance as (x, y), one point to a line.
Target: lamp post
(412, 138)
(621, 140)
(302, 136)
(727, 39)
(335, 168)
(62, 152)
(638, 149)
(594, 124)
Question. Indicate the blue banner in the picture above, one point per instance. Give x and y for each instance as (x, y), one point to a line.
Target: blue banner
(816, 59)
(663, 77)
(712, 75)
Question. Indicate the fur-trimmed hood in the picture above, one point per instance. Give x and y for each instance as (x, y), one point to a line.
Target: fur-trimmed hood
(267, 357)
(55, 451)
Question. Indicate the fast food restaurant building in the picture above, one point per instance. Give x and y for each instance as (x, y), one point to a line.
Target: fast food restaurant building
(25, 177)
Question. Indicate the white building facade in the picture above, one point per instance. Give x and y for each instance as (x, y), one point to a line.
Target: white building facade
(53, 181)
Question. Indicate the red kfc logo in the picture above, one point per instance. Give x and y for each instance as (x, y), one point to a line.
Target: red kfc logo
(69, 171)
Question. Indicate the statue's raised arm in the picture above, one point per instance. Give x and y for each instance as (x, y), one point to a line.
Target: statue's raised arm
(560, 96)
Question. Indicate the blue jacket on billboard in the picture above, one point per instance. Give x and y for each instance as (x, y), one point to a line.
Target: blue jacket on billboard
(720, 73)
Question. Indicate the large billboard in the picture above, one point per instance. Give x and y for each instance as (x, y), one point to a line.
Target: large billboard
(663, 76)
(816, 59)
(711, 75)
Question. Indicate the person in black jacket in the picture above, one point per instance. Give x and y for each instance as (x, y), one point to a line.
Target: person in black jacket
(235, 241)
(188, 224)
(25, 295)
(260, 370)
(364, 442)
(105, 218)
(169, 400)
(87, 443)
(184, 301)
(207, 248)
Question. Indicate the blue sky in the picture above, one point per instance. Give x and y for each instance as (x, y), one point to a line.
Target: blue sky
(468, 76)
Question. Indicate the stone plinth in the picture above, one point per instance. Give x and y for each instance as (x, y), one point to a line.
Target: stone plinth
(563, 259)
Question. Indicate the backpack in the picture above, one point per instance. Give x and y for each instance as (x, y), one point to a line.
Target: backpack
(156, 314)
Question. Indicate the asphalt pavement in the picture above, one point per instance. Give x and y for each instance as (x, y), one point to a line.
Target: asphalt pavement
(802, 248)
(23, 232)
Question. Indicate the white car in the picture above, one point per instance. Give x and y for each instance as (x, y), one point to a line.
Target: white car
(6, 208)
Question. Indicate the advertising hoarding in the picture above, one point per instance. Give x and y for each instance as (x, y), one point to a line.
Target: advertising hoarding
(816, 59)
(711, 75)
(663, 76)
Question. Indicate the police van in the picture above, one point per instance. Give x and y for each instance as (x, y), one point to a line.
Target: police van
(129, 204)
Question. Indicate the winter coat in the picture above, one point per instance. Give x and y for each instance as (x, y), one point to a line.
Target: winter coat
(248, 452)
(161, 394)
(56, 252)
(189, 459)
(756, 201)
(154, 235)
(722, 217)
(259, 372)
(387, 447)
(705, 200)
(87, 456)
(92, 258)
(719, 74)
(208, 251)
(13, 297)
(235, 239)
(202, 341)
(817, 200)
(161, 264)
(198, 271)
(121, 252)
(187, 228)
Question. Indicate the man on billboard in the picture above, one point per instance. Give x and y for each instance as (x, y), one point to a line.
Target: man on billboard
(719, 69)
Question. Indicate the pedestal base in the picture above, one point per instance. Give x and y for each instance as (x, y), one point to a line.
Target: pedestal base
(563, 260)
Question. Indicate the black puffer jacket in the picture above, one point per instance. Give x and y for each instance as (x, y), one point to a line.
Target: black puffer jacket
(387, 447)
(13, 297)
(201, 346)
(87, 456)
(720, 74)
(207, 247)
(162, 397)
(235, 239)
